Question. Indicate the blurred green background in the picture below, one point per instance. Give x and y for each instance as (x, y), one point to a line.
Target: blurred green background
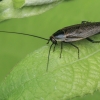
(13, 48)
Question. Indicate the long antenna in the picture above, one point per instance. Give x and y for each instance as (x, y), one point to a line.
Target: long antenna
(49, 55)
(25, 34)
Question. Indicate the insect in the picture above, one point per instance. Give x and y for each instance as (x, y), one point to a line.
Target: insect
(69, 34)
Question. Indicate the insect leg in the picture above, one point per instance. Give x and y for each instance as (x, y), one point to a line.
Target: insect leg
(92, 40)
(75, 47)
(54, 47)
(85, 22)
(49, 56)
(61, 49)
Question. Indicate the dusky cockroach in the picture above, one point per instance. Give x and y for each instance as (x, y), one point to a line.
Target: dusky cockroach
(70, 34)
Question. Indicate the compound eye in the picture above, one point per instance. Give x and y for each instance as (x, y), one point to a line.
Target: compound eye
(53, 40)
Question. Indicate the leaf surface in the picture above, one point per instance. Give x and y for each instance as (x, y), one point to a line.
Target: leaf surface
(66, 78)
(24, 8)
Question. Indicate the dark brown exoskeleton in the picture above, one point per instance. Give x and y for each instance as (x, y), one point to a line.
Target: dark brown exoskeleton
(70, 34)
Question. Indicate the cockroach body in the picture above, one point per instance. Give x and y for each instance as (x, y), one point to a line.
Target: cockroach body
(70, 34)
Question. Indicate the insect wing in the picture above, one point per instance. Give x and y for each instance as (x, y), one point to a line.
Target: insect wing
(71, 39)
(82, 32)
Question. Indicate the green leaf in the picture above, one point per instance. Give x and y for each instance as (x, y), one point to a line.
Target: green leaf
(24, 8)
(18, 3)
(66, 78)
